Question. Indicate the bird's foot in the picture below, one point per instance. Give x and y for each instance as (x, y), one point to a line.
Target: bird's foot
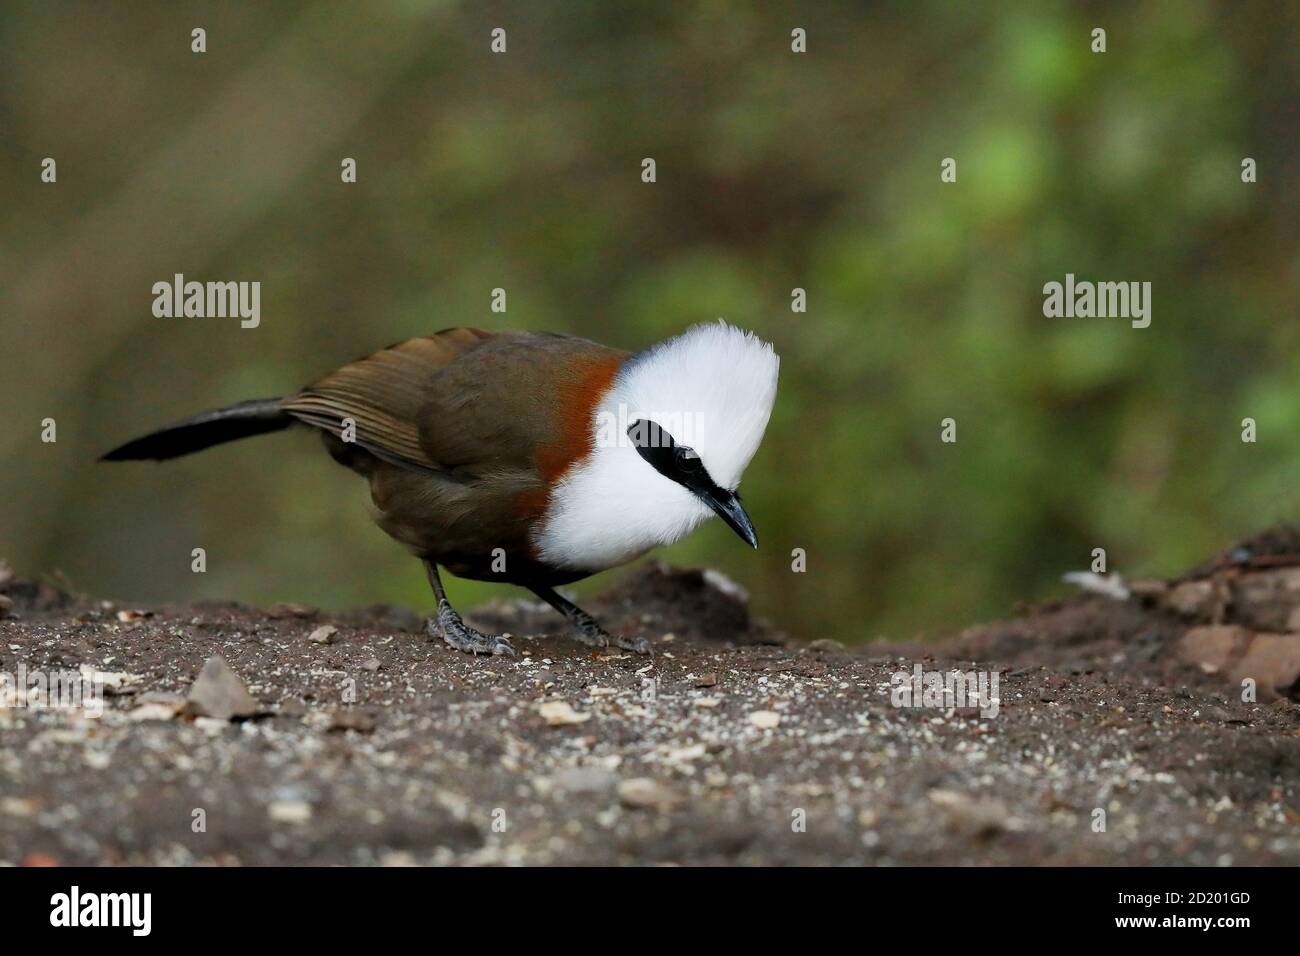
(449, 626)
(589, 632)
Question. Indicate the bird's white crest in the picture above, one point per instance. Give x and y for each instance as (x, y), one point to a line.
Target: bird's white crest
(711, 388)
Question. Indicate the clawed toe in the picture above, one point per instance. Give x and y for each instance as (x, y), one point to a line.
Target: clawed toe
(456, 633)
(472, 642)
(638, 645)
(596, 636)
(500, 645)
(592, 636)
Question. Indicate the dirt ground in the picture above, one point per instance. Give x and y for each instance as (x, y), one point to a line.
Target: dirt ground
(731, 745)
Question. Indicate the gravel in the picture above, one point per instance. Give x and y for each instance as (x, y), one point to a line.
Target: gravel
(731, 745)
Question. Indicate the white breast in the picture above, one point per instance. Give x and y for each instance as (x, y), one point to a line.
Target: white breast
(613, 508)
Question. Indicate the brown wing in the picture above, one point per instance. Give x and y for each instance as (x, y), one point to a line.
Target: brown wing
(520, 402)
(383, 394)
(466, 400)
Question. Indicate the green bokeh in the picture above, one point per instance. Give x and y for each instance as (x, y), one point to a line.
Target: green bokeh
(775, 171)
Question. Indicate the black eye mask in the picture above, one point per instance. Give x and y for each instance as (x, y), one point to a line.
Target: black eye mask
(681, 464)
(677, 462)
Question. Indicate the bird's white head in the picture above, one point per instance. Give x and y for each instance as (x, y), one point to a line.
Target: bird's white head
(671, 439)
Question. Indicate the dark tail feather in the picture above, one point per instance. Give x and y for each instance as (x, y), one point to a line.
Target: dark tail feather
(257, 417)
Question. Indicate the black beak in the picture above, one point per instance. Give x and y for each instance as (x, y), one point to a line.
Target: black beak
(727, 507)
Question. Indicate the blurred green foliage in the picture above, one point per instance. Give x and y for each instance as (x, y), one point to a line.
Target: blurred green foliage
(775, 170)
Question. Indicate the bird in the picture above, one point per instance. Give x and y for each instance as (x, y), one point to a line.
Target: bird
(529, 458)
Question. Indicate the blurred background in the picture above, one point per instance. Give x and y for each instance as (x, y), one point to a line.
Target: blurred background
(776, 170)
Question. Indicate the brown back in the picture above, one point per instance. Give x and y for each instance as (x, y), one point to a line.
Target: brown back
(463, 399)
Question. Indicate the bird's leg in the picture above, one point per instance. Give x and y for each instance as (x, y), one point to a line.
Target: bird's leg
(585, 627)
(448, 625)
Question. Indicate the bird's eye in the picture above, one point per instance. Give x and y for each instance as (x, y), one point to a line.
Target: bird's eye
(688, 459)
